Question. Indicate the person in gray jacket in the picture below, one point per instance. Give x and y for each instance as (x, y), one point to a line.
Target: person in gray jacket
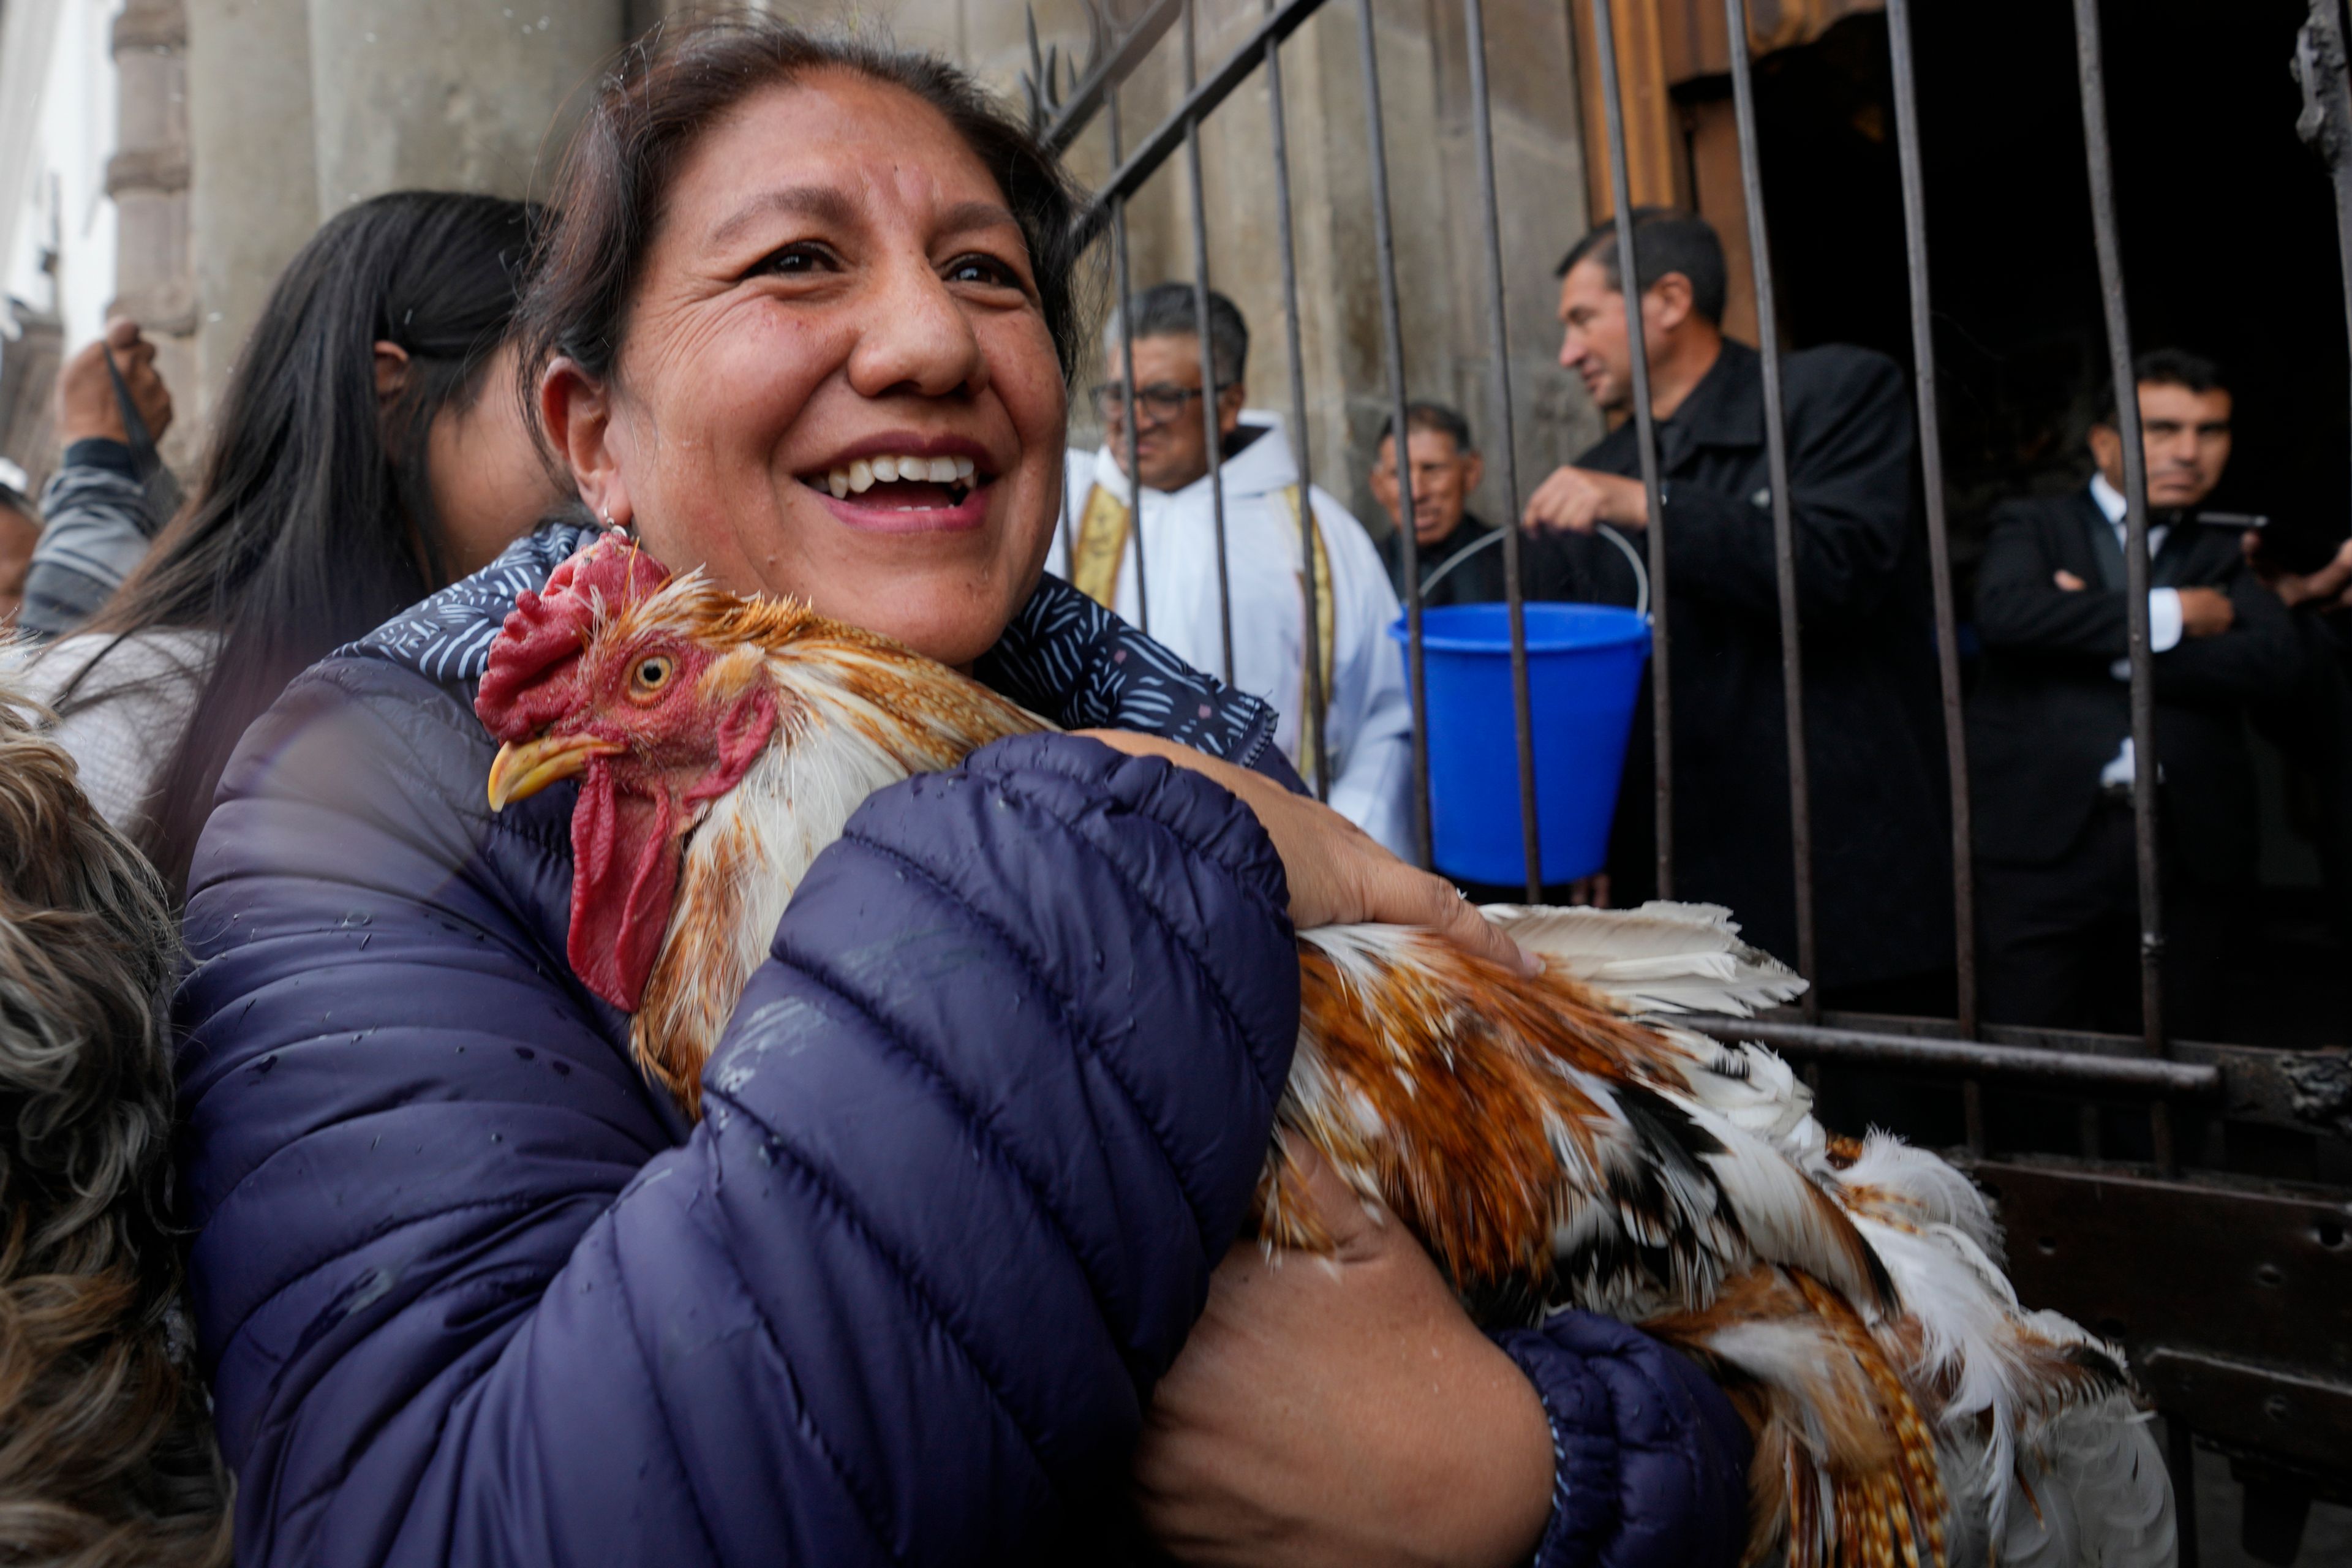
(97, 521)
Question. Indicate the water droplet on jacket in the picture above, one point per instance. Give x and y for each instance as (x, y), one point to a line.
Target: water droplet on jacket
(497, 1137)
(265, 1064)
(563, 1068)
(526, 1053)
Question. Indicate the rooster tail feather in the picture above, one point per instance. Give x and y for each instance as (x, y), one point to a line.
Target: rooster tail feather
(2084, 1481)
(1659, 958)
(1789, 1220)
(1847, 1471)
(1901, 1183)
(2099, 1494)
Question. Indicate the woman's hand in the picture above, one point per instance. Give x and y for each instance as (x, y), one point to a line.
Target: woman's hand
(1338, 872)
(1342, 1410)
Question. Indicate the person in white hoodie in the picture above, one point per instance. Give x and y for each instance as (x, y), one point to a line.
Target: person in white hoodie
(1176, 594)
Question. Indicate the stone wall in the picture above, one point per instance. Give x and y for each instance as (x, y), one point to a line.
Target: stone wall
(295, 107)
(301, 108)
(1441, 255)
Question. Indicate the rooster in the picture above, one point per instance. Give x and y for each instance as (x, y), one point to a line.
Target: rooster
(1554, 1140)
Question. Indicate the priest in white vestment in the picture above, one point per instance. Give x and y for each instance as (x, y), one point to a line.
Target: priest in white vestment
(1367, 721)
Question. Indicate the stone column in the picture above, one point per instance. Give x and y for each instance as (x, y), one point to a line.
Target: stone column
(254, 199)
(452, 94)
(148, 178)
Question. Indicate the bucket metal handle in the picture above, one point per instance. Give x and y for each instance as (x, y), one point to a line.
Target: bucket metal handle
(1494, 536)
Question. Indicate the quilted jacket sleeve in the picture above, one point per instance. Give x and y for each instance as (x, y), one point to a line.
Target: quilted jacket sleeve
(465, 1295)
(1651, 1459)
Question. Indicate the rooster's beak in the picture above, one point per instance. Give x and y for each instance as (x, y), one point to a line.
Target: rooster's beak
(524, 768)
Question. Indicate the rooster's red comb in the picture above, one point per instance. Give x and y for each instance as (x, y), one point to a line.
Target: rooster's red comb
(528, 681)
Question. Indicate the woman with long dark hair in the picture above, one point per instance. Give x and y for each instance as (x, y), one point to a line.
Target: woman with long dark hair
(367, 451)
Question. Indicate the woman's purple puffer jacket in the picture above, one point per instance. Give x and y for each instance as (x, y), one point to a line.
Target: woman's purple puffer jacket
(470, 1293)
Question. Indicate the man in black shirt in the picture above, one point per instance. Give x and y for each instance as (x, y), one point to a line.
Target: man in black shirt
(1446, 467)
(2051, 761)
(1881, 858)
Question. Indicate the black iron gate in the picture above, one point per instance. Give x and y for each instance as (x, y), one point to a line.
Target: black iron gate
(2231, 1286)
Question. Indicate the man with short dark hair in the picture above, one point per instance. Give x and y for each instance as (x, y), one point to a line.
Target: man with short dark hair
(1172, 555)
(1881, 859)
(2051, 760)
(1461, 557)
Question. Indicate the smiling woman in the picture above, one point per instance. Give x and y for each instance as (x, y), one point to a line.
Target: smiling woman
(988, 1115)
(901, 287)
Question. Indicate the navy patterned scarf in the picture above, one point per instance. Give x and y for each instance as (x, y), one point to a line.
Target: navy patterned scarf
(1063, 656)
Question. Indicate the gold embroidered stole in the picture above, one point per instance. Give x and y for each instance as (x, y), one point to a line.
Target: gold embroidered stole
(1101, 547)
(1310, 716)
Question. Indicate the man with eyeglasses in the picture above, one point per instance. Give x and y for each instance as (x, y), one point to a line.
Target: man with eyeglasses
(1177, 592)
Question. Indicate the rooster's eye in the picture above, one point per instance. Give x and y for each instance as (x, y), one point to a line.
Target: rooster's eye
(650, 676)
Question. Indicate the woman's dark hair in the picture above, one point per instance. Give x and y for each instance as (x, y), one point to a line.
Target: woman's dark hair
(313, 520)
(669, 89)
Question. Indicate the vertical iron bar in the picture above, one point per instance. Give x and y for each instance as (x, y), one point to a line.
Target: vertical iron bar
(1127, 377)
(2325, 122)
(1210, 392)
(1392, 321)
(1613, 104)
(1318, 701)
(1939, 551)
(2136, 564)
(1500, 341)
(2181, 1458)
(1784, 527)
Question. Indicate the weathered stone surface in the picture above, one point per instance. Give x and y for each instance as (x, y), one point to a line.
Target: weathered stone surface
(1442, 273)
(301, 107)
(253, 189)
(452, 94)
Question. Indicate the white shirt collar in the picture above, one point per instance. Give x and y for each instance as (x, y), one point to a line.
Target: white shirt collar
(2112, 506)
(2110, 500)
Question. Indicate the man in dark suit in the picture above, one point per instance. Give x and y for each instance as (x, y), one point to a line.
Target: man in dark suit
(1881, 858)
(2051, 761)
(1446, 467)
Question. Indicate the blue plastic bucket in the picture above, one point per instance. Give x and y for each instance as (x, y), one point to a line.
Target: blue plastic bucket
(1584, 671)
